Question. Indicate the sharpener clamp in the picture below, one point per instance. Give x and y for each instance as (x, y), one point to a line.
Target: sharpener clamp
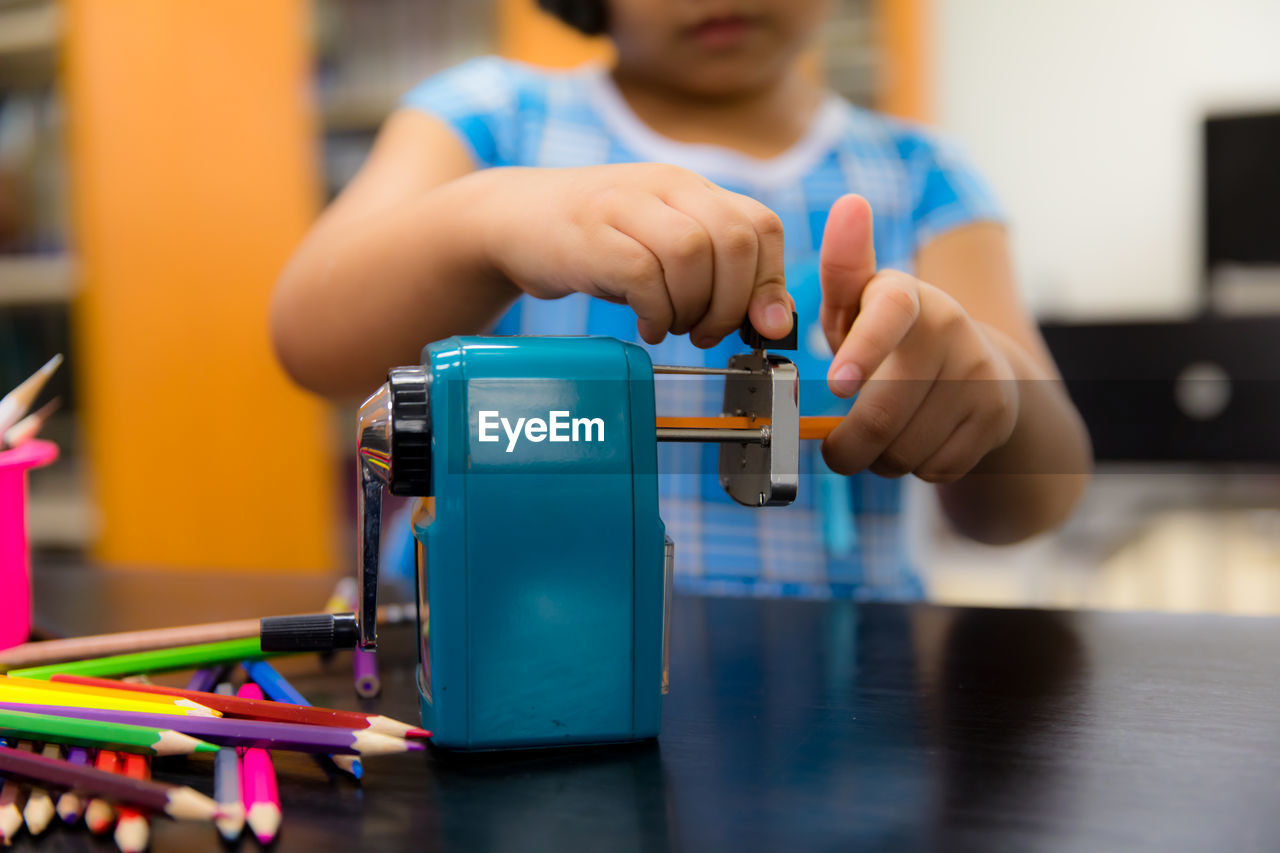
(758, 466)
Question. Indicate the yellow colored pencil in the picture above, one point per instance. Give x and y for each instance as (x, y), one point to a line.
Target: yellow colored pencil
(188, 706)
(67, 699)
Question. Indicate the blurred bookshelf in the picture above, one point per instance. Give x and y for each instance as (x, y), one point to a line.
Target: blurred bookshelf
(36, 279)
(37, 271)
(28, 35)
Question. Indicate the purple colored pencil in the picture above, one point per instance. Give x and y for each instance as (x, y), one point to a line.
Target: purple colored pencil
(365, 664)
(205, 680)
(71, 804)
(225, 731)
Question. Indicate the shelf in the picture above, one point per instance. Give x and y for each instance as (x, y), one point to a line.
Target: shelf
(60, 513)
(29, 34)
(356, 113)
(36, 279)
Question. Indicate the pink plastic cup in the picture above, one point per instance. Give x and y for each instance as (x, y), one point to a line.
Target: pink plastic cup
(15, 558)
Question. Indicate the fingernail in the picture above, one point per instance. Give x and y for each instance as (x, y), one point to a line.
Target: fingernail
(846, 381)
(777, 317)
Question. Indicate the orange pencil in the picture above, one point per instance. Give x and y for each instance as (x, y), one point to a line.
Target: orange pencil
(811, 427)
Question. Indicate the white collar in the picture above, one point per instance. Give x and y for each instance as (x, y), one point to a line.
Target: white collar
(716, 162)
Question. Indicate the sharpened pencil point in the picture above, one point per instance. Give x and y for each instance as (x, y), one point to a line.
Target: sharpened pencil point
(230, 821)
(70, 808)
(99, 816)
(196, 709)
(264, 820)
(417, 733)
(132, 834)
(39, 811)
(349, 764)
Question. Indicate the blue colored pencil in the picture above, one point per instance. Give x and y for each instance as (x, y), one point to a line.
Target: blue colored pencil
(276, 688)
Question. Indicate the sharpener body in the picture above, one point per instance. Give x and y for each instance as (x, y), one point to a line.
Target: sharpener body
(540, 552)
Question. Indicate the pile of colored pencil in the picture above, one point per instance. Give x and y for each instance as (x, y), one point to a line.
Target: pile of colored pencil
(78, 745)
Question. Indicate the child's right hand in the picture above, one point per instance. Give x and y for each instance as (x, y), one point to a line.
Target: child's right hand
(686, 255)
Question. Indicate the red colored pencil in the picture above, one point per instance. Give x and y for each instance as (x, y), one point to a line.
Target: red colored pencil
(260, 709)
(99, 815)
(133, 832)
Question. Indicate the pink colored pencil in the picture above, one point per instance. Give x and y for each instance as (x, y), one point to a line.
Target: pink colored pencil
(258, 784)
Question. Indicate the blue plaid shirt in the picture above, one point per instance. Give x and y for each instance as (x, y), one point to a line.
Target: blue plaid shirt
(843, 536)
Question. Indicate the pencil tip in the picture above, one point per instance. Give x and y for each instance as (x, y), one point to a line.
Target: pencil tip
(264, 820)
(195, 709)
(417, 733)
(132, 834)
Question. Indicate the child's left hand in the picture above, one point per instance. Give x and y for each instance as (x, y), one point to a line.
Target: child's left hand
(937, 393)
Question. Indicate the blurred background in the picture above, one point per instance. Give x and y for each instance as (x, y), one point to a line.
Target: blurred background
(159, 161)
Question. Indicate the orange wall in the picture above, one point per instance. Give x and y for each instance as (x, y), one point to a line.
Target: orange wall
(905, 50)
(192, 178)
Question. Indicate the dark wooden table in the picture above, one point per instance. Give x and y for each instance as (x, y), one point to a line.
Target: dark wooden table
(809, 726)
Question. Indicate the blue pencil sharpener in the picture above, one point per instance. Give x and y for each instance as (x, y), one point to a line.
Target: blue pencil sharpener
(544, 573)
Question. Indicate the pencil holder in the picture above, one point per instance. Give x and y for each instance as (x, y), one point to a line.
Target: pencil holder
(15, 558)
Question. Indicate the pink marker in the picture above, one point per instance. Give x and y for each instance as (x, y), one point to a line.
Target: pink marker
(258, 783)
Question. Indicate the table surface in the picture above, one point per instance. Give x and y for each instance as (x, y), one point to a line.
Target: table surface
(806, 726)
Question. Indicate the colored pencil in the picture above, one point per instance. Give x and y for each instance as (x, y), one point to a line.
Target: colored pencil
(364, 664)
(39, 810)
(226, 786)
(225, 731)
(58, 694)
(284, 712)
(76, 732)
(174, 800)
(133, 831)
(30, 426)
(71, 804)
(127, 642)
(281, 690)
(204, 680)
(99, 815)
(156, 660)
(258, 789)
(812, 427)
(18, 402)
(13, 796)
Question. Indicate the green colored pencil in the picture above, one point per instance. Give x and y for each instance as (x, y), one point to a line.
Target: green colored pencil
(159, 660)
(92, 733)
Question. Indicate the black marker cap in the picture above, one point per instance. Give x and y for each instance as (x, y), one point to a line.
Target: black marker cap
(312, 632)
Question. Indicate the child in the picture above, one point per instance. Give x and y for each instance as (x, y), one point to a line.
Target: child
(652, 199)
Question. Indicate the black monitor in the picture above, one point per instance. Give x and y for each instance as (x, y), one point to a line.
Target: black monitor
(1242, 191)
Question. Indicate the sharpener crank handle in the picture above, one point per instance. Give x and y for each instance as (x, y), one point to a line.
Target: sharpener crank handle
(369, 510)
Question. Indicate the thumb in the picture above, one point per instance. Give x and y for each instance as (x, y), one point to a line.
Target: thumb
(846, 265)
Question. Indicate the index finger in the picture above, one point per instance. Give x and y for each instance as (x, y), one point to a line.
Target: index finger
(847, 264)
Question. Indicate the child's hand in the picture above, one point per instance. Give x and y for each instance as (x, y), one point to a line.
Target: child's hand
(686, 255)
(937, 394)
